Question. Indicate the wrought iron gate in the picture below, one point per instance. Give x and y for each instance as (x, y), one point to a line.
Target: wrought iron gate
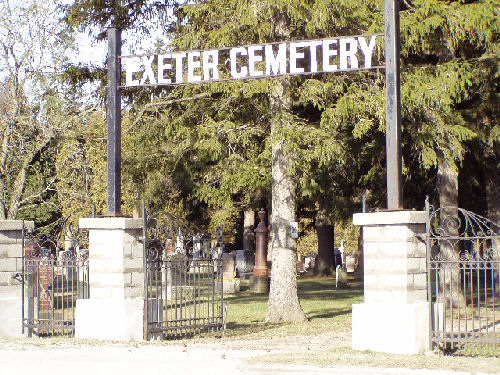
(52, 280)
(183, 281)
(463, 280)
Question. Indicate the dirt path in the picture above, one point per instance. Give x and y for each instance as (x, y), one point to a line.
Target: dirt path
(288, 344)
(130, 360)
(227, 356)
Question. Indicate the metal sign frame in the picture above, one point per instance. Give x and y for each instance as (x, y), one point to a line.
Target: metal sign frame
(393, 113)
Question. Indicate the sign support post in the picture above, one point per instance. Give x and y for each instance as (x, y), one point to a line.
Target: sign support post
(393, 106)
(275, 57)
(114, 122)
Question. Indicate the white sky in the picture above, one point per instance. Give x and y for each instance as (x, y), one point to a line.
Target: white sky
(91, 52)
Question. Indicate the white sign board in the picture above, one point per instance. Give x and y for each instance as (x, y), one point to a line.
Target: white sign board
(255, 61)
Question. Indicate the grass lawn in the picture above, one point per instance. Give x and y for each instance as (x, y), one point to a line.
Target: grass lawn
(325, 307)
(321, 341)
(329, 310)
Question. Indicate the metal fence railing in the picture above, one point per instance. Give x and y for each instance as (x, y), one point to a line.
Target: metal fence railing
(184, 297)
(463, 281)
(52, 279)
(183, 280)
(51, 288)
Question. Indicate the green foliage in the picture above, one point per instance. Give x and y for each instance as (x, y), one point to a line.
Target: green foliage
(35, 108)
(337, 140)
(307, 243)
(136, 14)
(203, 152)
(348, 233)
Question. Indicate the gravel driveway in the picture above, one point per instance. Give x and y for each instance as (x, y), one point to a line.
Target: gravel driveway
(39, 356)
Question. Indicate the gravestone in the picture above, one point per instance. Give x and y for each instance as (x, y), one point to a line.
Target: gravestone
(170, 247)
(216, 252)
(309, 262)
(231, 284)
(300, 267)
(197, 252)
(259, 281)
(350, 263)
(340, 277)
(179, 243)
(339, 255)
(245, 260)
(228, 266)
(45, 286)
(206, 246)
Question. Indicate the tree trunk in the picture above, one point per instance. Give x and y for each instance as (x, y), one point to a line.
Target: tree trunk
(450, 283)
(248, 228)
(3, 164)
(283, 303)
(325, 231)
(22, 176)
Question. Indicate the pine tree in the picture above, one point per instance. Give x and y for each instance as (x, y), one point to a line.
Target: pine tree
(208, 148)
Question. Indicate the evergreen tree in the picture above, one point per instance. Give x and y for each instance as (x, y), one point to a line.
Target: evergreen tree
(453, 51)
(208, 148)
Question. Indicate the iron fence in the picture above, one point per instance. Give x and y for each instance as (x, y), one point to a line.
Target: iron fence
(52, 279)
(184, 297)
(183, 280)
(463, 281)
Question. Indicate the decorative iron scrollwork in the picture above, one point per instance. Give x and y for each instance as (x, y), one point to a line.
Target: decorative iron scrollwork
(170, 236)
(457, 222)
(456, 234)
(60, 242)
(154, 253)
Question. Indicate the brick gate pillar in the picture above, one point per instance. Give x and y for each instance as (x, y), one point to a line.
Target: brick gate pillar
(394, 317)
(11, 245)
(115, 309)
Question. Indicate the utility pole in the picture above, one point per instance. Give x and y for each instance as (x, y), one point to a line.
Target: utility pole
(393, 107)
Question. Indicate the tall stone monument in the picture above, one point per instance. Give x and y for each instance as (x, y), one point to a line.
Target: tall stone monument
(259, 281)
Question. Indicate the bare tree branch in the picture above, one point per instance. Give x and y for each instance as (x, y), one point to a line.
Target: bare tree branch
(161, 104)
(39, 195)
(20, 181)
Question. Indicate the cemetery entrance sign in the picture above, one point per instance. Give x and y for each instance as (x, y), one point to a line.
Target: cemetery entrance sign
(254, 61)
(258, 61)
(305, 57)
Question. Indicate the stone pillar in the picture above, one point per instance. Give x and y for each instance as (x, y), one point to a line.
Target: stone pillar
(115, 309)
(394, 317)
(11, 252)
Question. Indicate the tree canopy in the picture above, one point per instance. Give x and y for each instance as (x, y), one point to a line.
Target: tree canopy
(205, 152)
